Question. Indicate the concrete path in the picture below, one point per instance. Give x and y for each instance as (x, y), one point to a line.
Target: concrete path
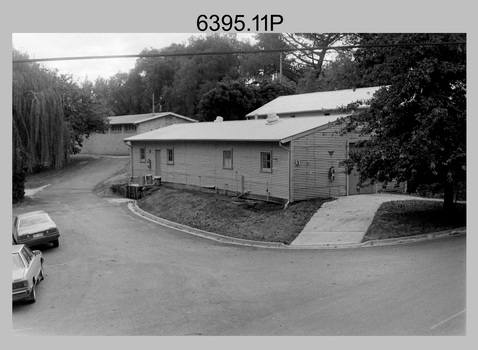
(344, 220)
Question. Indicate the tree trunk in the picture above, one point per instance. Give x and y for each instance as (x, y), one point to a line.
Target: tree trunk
(448, 197)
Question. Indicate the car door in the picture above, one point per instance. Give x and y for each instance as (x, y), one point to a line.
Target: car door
(28, 259)
(33, 263)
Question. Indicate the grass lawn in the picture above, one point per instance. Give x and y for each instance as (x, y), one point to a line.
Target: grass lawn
(229, 216)
(255, 220)
(414, 217)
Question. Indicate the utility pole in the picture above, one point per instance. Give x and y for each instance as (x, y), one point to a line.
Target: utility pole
(280, 68)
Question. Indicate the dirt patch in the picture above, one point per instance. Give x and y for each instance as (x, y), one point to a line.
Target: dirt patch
(413, 217)
(229, 216)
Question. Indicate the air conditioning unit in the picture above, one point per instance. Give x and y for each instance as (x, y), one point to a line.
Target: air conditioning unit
(148, 179)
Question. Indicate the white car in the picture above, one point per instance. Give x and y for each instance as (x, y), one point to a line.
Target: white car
(35, 228)
(27, 272)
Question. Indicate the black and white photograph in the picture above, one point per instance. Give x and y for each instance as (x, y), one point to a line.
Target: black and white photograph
(241, 178)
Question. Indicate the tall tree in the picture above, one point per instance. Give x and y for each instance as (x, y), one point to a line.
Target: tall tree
(267, 65)
(40, 136)
(50, 116)
(417, 123)
(198, 74)
(340, 73)
(229, 99)
(310, 61)
(84, 111)
(233, 99)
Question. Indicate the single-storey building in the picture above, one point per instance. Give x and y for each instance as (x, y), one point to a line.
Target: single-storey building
(279, 159)
(120, 127)
(315, 104)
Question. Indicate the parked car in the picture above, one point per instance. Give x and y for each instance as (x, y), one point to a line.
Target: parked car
(35, 228)
(27, 271)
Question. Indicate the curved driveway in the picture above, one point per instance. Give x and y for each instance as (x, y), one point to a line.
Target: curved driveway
(118, 274)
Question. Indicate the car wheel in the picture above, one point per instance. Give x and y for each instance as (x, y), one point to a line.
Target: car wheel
(56, 243)
(33, 294)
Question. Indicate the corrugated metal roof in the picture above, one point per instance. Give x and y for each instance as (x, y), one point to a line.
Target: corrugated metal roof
(141, 118)
(315, 101)
(241, 130)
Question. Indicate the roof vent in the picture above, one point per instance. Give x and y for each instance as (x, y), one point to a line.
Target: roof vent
(219, 119)
(272, 119)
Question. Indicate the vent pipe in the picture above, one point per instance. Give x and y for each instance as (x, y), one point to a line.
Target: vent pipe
(272, 119)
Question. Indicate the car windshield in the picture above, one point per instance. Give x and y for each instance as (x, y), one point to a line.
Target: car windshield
(17, 261)
(34, 220)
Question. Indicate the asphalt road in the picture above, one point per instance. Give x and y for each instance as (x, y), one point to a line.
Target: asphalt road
(115, 273)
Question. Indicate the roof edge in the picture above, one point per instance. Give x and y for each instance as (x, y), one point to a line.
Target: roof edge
(311, 131)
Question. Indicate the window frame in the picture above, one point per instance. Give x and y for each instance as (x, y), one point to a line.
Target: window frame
(142, 154)
(266, 169)
(117, 128)
(129, 128)
(224, 165)
(170, 156)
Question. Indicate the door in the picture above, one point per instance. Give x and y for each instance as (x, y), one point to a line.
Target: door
(355, 187)
(157, 162)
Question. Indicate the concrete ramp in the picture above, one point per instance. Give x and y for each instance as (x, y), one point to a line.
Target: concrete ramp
(344, 220)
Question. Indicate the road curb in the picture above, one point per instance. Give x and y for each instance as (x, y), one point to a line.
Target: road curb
(201, 233)
(133, 207)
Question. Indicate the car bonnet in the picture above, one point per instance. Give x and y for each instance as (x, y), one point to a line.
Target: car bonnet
(18, 274)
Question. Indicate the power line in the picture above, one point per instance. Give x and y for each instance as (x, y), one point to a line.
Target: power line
(327, 48)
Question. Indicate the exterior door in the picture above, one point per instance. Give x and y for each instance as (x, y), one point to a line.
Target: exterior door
(157, 171)
(355, 187)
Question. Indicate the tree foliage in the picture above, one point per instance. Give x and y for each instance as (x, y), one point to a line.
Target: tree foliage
(179, 83)
(310, 63)
(233, 99)
(40, 134)
(50, 116)
(417, 122)
(267, 65)
(84, 112)
(340, 73)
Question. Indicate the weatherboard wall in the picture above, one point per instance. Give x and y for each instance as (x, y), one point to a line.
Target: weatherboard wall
(162, 122)
(201, 164)
(300, 168)
(313, 156)
(111, 142)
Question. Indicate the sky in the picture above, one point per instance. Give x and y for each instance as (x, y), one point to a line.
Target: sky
(51, 45)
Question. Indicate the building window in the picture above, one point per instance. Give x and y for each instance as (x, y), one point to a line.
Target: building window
(170, 156)
(116, 128)
(227, 159)
(266, 161)
(129, 128)
(142, 155)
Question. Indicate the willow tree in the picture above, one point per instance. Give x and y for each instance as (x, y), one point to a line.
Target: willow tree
(40, 135)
